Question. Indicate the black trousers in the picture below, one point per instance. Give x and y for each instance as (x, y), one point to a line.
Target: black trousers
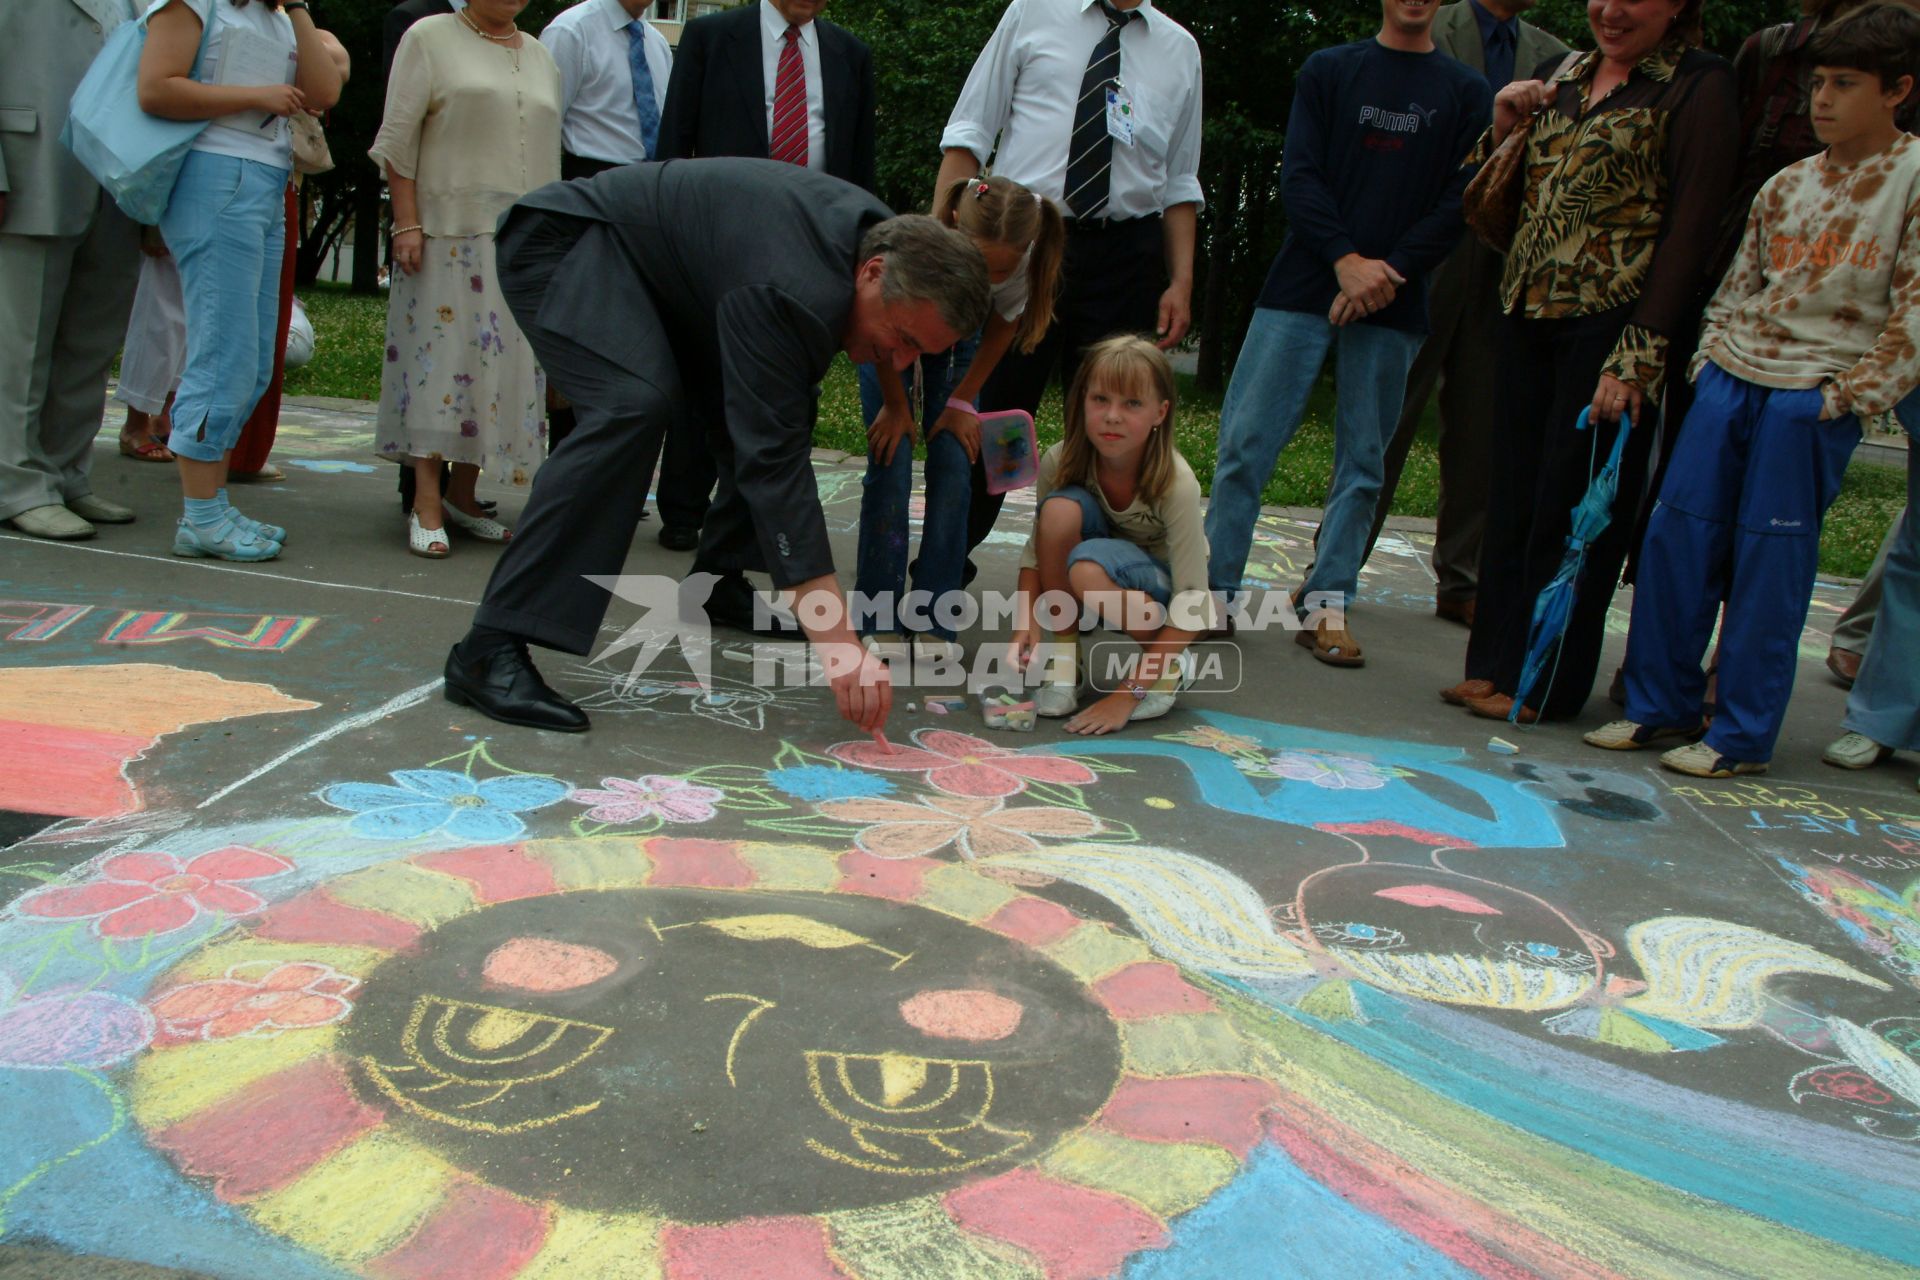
(588, 497)
(1111, 283)
(1541, 467)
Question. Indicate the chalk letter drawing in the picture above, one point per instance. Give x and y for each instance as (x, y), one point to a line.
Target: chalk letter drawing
(268, 632)
(40, 620)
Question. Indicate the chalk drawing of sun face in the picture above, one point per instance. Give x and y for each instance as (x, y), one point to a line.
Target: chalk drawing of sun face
(551, 1037)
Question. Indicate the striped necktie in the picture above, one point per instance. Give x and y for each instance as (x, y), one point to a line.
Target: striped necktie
(1090, 150)
(644, 103)
(788, 141)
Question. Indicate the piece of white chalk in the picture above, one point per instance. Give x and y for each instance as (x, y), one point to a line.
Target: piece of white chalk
(1501, 747)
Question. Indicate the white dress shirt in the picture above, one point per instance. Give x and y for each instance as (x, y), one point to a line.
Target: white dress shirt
(773, 38)
(589, 43)
(1025, 83)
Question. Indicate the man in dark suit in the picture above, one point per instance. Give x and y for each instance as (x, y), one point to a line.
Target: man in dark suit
(714, 291)
(722, 100)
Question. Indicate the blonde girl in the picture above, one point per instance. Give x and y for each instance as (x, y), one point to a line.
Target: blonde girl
(1116, 540)
(1023, 239)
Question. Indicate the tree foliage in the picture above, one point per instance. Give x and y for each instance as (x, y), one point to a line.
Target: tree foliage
(1250, 51)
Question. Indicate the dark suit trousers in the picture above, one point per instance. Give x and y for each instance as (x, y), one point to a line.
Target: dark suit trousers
(1541, 467)
(1459, 358)
(688, 472)
(1112, 281)
(588, 497)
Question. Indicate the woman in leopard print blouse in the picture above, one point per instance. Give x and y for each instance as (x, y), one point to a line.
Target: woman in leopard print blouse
(1629, 162)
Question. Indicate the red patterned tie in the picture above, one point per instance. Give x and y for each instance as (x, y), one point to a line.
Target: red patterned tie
(788, 141)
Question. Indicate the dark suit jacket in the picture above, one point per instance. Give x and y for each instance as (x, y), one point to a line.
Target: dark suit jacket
(399, 18)
(748, 265)
(717, 98)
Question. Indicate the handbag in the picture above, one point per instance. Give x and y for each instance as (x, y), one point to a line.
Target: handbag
(1491, 202)
(134, 156)
(311, 154)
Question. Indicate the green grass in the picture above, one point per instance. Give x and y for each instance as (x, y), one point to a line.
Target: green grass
(351, 338)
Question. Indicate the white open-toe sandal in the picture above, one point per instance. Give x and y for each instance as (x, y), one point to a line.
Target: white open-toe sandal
(485, 528)
(431, 543)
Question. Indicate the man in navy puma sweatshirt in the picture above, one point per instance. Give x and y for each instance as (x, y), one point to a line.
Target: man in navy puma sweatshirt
(1372, 178)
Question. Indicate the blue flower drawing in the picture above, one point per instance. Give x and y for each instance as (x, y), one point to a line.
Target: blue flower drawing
(817, 782)
(424, 801)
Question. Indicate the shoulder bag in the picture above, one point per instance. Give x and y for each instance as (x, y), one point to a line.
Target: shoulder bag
(134, 156)
(1491, 202)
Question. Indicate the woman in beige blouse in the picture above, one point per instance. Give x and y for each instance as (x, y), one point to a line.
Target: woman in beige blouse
(472, 124)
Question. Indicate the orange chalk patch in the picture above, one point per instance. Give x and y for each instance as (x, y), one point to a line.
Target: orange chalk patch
(1221, 1109)
(69, 732)
(1034, 921)
(1075, 1233)
(1149, 990)
(712, 864)
(752, 1249)
(899, 879)
(499, 874)
(962, 1014)
(540, 964)
(271, 1132)
(476, 1233)
(316, 917)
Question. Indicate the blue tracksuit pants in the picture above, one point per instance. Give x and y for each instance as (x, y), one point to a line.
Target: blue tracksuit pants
(1738, 521)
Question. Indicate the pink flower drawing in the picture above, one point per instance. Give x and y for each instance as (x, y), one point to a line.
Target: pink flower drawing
(626, 801)
(963, 765)
(978, 828)
(65, 1029)
(137, 894)
(260, 998)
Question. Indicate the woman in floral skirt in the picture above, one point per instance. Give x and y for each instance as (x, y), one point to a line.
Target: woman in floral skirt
(472, 123)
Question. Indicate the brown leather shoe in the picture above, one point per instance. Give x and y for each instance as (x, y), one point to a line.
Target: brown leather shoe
(1845, 665)
(1460, 611)
(1466, 691)
(1499, 707)
(1333, 645)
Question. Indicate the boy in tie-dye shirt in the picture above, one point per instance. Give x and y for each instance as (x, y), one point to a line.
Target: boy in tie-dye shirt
(1816, 326)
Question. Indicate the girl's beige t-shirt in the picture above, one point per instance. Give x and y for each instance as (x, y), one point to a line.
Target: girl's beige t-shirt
(474, 133)
(1172, 531)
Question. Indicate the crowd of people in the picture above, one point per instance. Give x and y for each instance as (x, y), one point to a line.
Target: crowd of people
(1703, 272)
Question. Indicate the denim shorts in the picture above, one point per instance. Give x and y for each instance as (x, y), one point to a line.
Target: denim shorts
(1127, 563)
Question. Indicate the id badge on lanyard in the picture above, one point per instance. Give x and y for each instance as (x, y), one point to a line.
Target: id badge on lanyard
(1119, 113)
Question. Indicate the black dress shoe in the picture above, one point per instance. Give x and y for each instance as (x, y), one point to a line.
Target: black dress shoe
(680, 537)
(503, 683)
(732, 605)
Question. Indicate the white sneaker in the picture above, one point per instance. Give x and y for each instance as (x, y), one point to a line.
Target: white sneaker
(1629, 735)
(1056, 700)
(931, 648)
(1855, 751)
(1702, 761)
(888, 646)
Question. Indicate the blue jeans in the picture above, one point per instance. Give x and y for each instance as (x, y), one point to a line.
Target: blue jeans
(225, 225)
(887, 491)
(1127, 563)
(1885, 703)
(1278, 366)
(1753, 473)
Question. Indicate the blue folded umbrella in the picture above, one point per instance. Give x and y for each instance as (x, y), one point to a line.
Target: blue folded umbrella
(1591, 516)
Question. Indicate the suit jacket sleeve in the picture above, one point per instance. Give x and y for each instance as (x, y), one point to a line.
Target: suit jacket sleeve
(863, 164)
(680, 118)
(772, 354)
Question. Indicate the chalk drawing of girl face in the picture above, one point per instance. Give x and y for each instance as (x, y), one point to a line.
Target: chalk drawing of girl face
(1434, 934)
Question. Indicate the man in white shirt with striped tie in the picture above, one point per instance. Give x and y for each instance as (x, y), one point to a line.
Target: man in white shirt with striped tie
(1096, 106)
